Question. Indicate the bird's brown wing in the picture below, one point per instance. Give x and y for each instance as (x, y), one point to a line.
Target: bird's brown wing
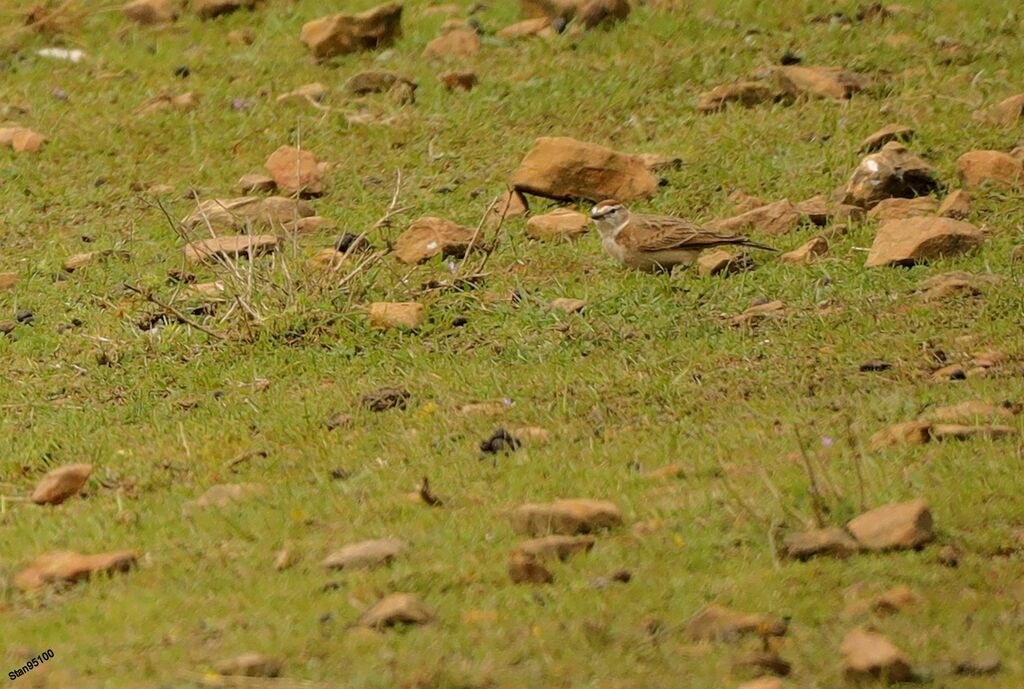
(661, 233)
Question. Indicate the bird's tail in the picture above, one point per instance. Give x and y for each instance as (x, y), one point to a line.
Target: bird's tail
(755, 245)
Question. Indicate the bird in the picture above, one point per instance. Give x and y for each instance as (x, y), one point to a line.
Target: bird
(654, 243)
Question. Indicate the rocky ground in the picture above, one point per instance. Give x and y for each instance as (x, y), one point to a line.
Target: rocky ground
(316, 374)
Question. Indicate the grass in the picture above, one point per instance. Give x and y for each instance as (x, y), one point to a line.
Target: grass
(651, 373)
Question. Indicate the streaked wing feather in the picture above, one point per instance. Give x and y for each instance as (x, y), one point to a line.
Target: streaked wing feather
(662, 233)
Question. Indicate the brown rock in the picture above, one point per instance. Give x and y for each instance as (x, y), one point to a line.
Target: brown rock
(512, 205)
(845, 212)
(309, 225)
(824, 82)
(385, 315)
(250, 665)
(568, 517)
(561, 223)
(667, 472)
(537, 26)
(992, 167)
(340, 34)
(834, 542)
(951, 372)
(226, 494)
(464, 81)
(295, 171)
(593, 13)
(565, 9)
(907, 433)
(898, 526)
(396, 609)
(956, 205)
(763, 663)
(989, 359)
(561, 547)
(775, 218)
(241, 37)
(563, 168)
(815, 210)
(427, 237)
(1017, 254)
(365, 554)
(955, 283)
(806, 252)
(898, 209)
(891, 172)
(567, 305)
(760, 312)
(8, 281)
(329, 259)
(459, 42)
(484, 408)
(67, 567)
(715, 623)
(890, 132)
(949, 556)
(763, 683)
(1005, 113)
(238, 246)
(870, 656)
(722, 262)
(148, 12)
(523, 568)
(743, 202)
(60, 484)
(183, 102)
(284, 559)
(745, 93)
(954, 431)
(375, 81)
(911, 241)
(307, 92)
(383, 399)
(246, 212)
(443, 9)
(206, 289)
(22, 139)
(256, 184)
(208, 9)
(79, 261)
(531, 435)
(984, 663)
(974, 410)
(895, 600)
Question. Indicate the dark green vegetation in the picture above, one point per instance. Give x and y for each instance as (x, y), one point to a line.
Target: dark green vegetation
(651, 373)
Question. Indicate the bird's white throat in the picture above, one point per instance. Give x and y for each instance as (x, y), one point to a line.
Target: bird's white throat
(611, 227)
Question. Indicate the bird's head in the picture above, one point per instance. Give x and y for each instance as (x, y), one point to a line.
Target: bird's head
(609, 215)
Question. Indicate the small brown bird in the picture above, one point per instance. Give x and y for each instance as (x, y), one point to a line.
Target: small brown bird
(654, 242)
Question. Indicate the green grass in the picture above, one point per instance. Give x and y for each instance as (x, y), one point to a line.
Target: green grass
(617, 387)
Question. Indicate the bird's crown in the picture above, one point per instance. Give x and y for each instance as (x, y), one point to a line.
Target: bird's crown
(602, 208)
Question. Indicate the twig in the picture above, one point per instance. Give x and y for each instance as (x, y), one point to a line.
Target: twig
(175, 312)
(819, 512)
(494, 242)
(735, 494)
(472, 241)
(857, 456)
